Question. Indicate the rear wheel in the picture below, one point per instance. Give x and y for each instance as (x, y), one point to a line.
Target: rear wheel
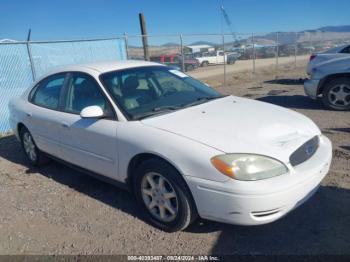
(34, 155)
(163, 196)
(336, 94)
(205, 63)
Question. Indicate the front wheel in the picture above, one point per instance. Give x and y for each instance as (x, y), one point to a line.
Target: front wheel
(336, 94)
(163, 196)
(33, 153)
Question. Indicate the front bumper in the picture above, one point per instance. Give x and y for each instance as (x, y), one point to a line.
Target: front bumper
(263, 201)
(311, 87)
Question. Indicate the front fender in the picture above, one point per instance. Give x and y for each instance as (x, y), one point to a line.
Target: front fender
(189, 157)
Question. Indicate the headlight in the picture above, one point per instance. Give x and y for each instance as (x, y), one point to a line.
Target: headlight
(248, 167)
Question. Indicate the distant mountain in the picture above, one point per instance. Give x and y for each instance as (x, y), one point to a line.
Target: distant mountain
(203, 43)
(7, 41)
(322, 33)
(170, 44)
(283, 37)
(339, 28)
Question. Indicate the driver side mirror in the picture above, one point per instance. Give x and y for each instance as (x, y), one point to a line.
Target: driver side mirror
(92, 112)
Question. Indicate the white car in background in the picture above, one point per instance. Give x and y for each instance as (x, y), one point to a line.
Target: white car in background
(180, 146)
(335, 52)
(330, 81)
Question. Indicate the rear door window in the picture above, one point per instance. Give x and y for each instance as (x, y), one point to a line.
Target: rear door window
(47, 93)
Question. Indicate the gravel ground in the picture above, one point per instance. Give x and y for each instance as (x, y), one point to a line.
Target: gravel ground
(57, 210)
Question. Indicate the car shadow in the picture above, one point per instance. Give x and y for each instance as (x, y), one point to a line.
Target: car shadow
(10, 149)
(320, 226)
(286, 81)
(293, 101)
(341, 129)
(345, 147)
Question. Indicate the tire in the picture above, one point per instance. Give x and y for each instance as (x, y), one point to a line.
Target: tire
(189, 68)
(32, 152)
(175, 194)
(336, 94)
(205, 63)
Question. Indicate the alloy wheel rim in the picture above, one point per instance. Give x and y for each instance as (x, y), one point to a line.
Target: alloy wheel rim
(339, 95)
(29, 146)
(159, 197)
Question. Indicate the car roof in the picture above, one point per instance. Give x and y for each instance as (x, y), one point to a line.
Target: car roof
(103, 67)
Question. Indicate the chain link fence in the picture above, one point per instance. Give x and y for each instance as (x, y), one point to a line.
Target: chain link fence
(229, 59)
(21, 63)
(218, 59)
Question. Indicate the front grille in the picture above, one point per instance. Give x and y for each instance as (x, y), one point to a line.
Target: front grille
(304, 152)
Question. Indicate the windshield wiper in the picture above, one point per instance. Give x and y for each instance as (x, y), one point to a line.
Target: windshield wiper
(156, 111)
(202, 100)
(166, 109)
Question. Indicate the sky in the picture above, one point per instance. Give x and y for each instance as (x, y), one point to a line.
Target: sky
(75, 19)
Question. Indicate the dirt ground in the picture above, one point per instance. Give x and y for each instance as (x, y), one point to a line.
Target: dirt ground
(246, 65)
(57, 210)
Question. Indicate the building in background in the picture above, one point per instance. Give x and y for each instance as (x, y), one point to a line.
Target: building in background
(198, 48)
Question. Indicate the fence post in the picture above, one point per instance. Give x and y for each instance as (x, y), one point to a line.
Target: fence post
(276, 69)
(126, 45)
(254, 55)
(223, 49)
(295, 49)
(182, 54)
(30, 55)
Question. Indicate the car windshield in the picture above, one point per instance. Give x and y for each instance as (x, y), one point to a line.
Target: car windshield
(147, 91)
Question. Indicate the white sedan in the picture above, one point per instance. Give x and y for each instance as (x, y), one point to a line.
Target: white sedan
(180, 146)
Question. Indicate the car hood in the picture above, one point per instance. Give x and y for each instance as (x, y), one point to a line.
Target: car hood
(239, 125)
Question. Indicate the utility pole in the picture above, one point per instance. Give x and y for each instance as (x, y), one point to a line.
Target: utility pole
(182, 54)
(126, 45)
(144, 36)
(277, 51)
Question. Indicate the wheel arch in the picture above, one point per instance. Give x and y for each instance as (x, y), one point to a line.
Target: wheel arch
(19, 128)
(140, 158)
(329, 78)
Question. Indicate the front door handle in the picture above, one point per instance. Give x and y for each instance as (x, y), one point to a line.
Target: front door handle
(29, 114)
(65, 125)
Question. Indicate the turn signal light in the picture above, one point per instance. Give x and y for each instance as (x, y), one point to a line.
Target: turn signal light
(222, 167)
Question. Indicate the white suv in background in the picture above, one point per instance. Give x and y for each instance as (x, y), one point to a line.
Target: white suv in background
(331, 81)
(336, 52)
